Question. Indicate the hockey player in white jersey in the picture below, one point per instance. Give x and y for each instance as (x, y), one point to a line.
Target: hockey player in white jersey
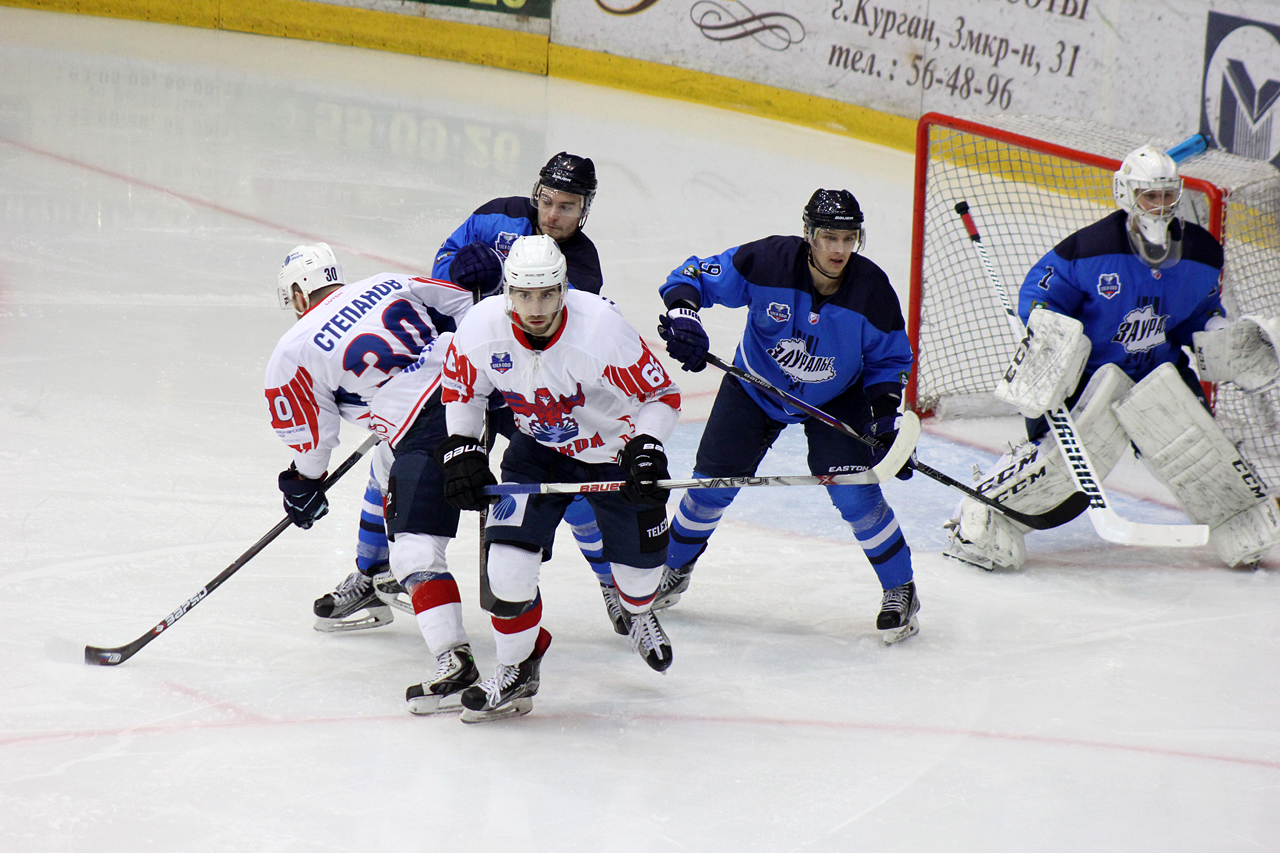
(370, 353)
(591, 403)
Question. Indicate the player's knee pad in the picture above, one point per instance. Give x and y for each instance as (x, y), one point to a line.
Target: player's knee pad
(415, 498)
(708, 502)
(417, 554)
(982, 537)
(1186, 450)
(1247, 536)
(513, 572)
(1034, 477)
(857, 504)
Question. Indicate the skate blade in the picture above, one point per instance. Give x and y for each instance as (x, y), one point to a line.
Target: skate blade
(374, 616)
(665, 601)
(514, 708)
(397, 598)
(897, 635)
(426, 706)
(986, 567)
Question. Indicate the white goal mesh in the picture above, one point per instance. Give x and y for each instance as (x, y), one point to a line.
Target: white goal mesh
(1030, 181)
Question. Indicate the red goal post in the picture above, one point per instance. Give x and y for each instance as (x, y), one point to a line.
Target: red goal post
(1030, 181)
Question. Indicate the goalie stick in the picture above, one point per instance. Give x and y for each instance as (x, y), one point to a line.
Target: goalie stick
(111, 656)
(859, 478)
(1108, 524)
(1053, 517)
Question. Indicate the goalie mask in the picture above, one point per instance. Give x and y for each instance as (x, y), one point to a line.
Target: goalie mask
(305, 270)
(1148, 188)
(535, 280)
(571, 174)
(833, 210)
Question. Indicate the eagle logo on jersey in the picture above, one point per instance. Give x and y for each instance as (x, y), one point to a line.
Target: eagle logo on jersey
(500, 362)
(547, 415)
(1108, 284)
(792, 355)
(778, 311)
(1141, 329)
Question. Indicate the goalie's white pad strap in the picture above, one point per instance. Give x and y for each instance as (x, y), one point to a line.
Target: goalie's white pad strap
(1033, 478)
(1243, 352)
(1183, 447)
(1047, 365)
(1247, 536)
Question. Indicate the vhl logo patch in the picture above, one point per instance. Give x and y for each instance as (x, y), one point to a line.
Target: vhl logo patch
(503, 242)
(500, 361)
(1240, 92)
(1108, 284)
(779, 312)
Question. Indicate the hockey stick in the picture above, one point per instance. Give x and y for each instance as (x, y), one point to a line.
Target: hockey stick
(859, 478)
(1053, 517)
(99, 656)
(1110, 526)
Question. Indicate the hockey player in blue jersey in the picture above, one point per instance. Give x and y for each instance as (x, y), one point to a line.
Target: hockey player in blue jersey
(1111, 312)
(472, 256)
(824, 324)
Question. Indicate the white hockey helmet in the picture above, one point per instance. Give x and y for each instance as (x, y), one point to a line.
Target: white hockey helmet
(1148, 188)
(308, 268)
(534, 263)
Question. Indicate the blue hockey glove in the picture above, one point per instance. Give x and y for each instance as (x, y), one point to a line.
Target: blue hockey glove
(304, 499)
(645, 462)
(478, 268)
(466, 472)
(686, 340)
(883, 420)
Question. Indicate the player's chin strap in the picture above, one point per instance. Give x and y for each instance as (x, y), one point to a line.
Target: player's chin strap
(1106, 522)
(1054, 517)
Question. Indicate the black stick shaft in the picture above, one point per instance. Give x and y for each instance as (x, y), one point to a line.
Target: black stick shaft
(98, 656)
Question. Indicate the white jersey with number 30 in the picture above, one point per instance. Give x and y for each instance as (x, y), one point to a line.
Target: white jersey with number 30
(590, 389)
(345, 352)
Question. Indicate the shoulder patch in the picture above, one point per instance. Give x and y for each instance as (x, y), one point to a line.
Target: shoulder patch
(780, 312)
(1109, 284)
(500, 362)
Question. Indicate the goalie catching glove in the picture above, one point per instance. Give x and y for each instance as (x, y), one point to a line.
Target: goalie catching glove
(645, 461)
(466, 472)
(304, 499)
(1243, 352)
(1047, 365)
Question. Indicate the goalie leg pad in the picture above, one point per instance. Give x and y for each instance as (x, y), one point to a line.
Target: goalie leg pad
(982, 537)
(1047, 365)
(1034, 477)
(1243, 352)
(1246, 537)
(1186, 450)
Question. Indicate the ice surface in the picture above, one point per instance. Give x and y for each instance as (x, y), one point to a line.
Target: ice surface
(151, 180)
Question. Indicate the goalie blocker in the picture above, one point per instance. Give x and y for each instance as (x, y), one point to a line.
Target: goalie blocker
(1180, 443)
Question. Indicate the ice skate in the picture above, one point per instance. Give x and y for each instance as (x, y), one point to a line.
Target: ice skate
(390, 592)
(898, 609)
(455, 672)
(510, 692)
(650, 641)
(620, 618)
(340, 610)
(675, 582)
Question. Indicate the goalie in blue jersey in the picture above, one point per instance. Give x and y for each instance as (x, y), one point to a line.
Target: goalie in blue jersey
(825, 325)
(1111, 314)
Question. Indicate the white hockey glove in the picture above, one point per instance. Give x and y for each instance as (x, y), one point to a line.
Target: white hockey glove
(1243, 353)
(1048, 364)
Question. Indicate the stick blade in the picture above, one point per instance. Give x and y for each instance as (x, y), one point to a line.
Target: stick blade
(1071, 508)
(1112, 528)
(95, 656)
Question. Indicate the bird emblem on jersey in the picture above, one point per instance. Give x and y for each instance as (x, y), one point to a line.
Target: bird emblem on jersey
(780, 312)
(547, 415)
(1108, 284)
(500, 362)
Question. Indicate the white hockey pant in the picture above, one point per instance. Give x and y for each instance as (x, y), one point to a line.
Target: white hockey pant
(418, 562)
(1186, 450)
(1033, 477)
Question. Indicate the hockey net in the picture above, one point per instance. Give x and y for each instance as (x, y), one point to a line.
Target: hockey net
(1030, 181)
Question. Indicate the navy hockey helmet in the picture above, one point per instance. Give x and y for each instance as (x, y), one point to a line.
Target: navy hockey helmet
(837, 210)
(571, 174)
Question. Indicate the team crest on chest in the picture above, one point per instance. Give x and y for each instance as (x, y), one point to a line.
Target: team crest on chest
(779, 312)
(1108, 284)
(500, 362)
(795, 360)
(1141, 329)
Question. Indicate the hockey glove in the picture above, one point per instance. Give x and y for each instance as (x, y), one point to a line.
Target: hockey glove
(686, 340)
(478, 268)
(304, 499)
(644, 462)
(882, 424)
(466, 472)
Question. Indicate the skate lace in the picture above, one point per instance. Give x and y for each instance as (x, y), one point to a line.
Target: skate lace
(353, 588)
(646, 635)
(446, 664)
(896, 599)
(613, 604)
(504, 677)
